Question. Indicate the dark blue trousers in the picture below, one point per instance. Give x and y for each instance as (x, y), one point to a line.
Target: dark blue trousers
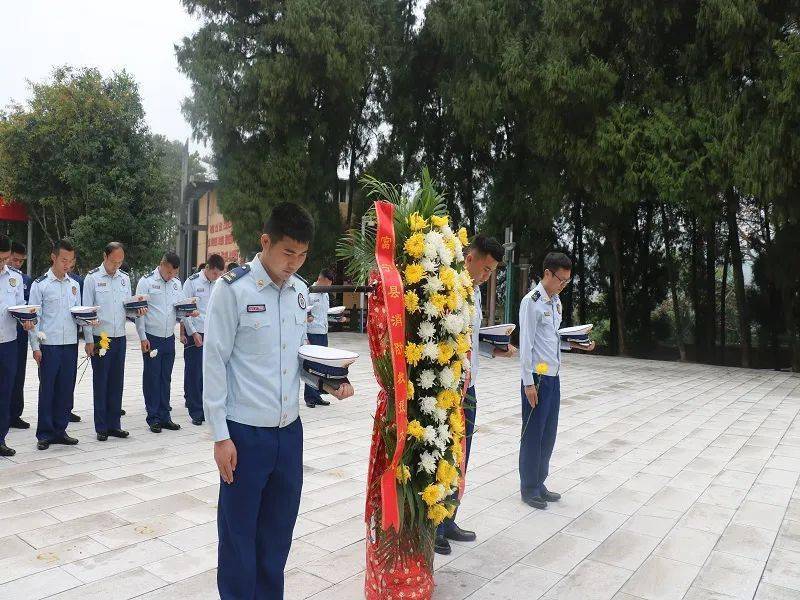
(17, 395)
(108, 377)
(311, 394)
(470, 408)
(536, 445)
(8, 370)
(157, 378)
(193, 379)
(257, 512)
(56, 390)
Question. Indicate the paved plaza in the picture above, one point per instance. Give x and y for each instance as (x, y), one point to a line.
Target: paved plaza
(679, 481)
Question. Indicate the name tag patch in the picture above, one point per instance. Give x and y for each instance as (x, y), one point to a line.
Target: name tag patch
(256, 308)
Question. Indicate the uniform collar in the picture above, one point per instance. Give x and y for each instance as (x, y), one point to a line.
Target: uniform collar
(51, 275)
(157, 273)
(262, 278)
(543, 293)
(105, 273)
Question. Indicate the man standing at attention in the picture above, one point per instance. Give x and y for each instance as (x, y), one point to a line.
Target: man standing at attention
(251, 383)
(539, 343)
(18, 255)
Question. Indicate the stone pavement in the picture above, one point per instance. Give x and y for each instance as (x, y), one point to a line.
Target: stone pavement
(679, 481)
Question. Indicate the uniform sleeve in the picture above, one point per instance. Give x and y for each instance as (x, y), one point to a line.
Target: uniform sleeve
(188, 322)
(485, 349)
(33, 334)
(88, 300)
(140, 286)
(222, 320)
(527, 332)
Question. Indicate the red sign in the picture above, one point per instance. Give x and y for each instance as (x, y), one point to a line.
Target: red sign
(12, 211)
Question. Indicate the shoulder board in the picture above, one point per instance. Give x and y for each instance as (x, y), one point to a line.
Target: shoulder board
(236, 274)
(195, 276)
(93, 271)
(15, 270)
(150, 274)
(536, 295)
(42, 278)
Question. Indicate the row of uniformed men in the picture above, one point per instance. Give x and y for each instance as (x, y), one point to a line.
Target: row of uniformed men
(54, 339)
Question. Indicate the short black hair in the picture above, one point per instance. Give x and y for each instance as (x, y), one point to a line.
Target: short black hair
(172, 259)
(328, 274)
(5, 243)
(112, 246)
(487, 246)
(288, 219)
(18, 248)
(215, 261)
(63, 244)
(555, 261)
(231, 266)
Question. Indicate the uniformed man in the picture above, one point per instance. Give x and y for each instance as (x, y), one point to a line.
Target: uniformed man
(539, 322)
(157, 334)
(11, 294)
(319, 303)
(197, 286)
(107, 287)
(256, 324)
(481, 260)
(54, 341)
(18, 255)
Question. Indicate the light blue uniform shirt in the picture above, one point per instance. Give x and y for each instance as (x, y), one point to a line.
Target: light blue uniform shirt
(57, 297)
(197, 286)
(160, 318)
(107, 293)
(251, 373)
(12, 293)
(539, 342)
(320, 303)
(478, 348)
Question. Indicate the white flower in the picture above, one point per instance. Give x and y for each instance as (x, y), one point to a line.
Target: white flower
(447, 232)
(459, 251)
(440, 415)
(433, 244)
(443, 436)
(429, 265)
(453, 324)
(431, 350)
(465, 278)
(426, 331)
(153, 353)
(426, 379)
(41, 336)
(445, 255)
(433, 285)
(440, 444)
(430, 310)
(102, 352)
(429, 437)
(427, 462)
(427, 405)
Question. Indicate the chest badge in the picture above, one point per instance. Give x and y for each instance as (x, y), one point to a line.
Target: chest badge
(74, 291)
(558, 308)
(175, 286)
(123, 283)
(301, 300)
(12, 282)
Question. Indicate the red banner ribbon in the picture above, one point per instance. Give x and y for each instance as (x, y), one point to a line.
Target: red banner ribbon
(392, 286)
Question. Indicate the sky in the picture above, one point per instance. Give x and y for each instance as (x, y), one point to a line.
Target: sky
(111, 35)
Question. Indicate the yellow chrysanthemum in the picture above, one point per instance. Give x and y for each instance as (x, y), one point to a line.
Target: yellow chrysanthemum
(439, 221)
(447, 399)
(452, 301)
(414, 273)
(456, 449)
(438, 300)
(403, 474)
(463, 344)
(463, 237)
(410, 389)
(541, 368)
(445, 473)
(451, 511)
(448, 276)
(105, 341)
(416, 222)
(466, 279)
(456, 422)
(415, 245)
(456, 367)
(450, 244)
(411, 301)
(432, 494)
(413, 353)
(415, 430)
(446, 351)
(437, 513)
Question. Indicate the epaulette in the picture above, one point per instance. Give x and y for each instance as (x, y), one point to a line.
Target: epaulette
(42, 278)
(93, 271)
(195, 276)
(150, 274)
(15, 269)
(536, 295)
(236, 274)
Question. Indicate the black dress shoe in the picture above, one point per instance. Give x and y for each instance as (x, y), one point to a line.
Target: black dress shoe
(19, 424)
(73, 418)
(64, 439)
(310, 404)
(6, 451)
(322, 402)
(155, 427)
(455, 533)
(197, 421)
(42, 445)
(535, 502)
(118, 433)
(122, 413)
(550, 496)
(102, 437)
(170, 425)
(442, 546)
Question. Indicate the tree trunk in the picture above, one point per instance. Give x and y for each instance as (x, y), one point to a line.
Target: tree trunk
(619, 299)
(790, 302)
(710, 319)
(774, 297)
(469, 195)
(672, 273)
(582, 309)
(732, 206)
(645, 302)
(694, 288)
(722, 296)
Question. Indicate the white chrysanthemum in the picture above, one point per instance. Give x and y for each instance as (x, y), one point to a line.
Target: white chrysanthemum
(41, 336)
(465, 364)
(153, 353)
(430, 309)
(430, 435)
(459, 251)
(427, 462)
(433, 285)
(430, 350)
(465, 278)
(446, 377)
(433, 241)
(453, 323)
(440, 444)
(443, 432)
(445, 255)
(429, 265)
(102, 352)
(426, 330)
(426, 379)
(427, 405)
(440, 415)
